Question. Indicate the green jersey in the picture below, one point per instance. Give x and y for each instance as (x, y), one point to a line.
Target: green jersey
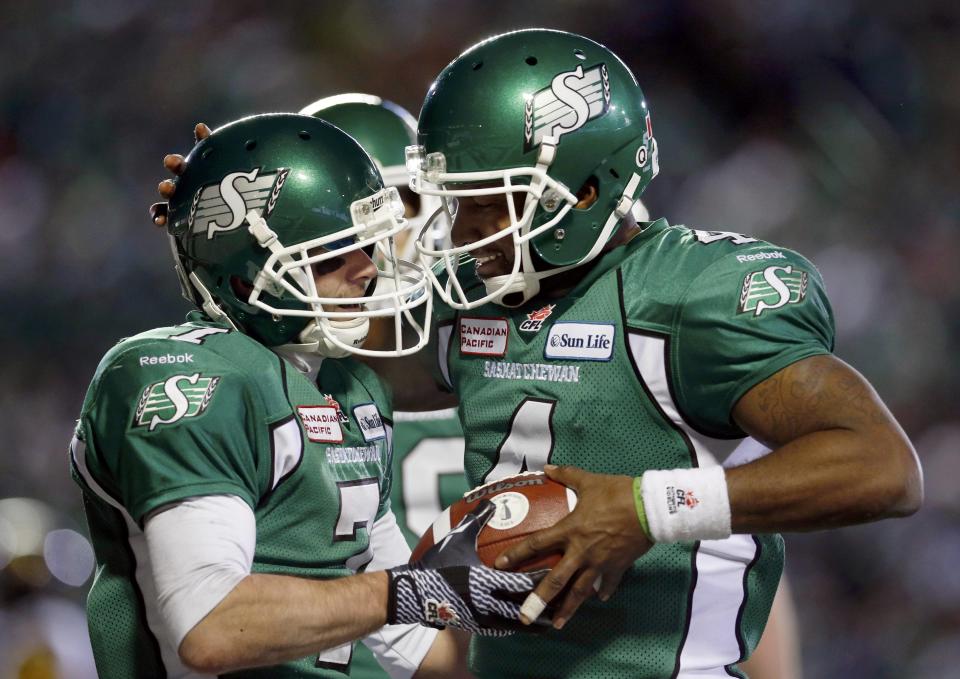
(638, 367)
(196, 410)
(427, 477)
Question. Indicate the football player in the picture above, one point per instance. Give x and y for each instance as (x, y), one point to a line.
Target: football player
(616, 354)
(428, 446)
(234, 468)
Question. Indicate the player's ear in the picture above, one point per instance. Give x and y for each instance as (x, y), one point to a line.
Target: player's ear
(588, 193)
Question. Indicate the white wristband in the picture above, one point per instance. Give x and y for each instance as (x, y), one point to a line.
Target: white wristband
(686, 504)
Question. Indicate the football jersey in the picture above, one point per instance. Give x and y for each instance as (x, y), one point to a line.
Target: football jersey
(198, 409)
(638, 367)
(427, 477)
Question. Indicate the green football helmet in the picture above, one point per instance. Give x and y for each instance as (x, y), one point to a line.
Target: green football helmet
(540, 113)
(384, 130)
(266, 199)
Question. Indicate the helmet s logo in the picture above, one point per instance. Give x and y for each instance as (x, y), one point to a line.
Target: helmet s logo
(223, 207)
(573, 99)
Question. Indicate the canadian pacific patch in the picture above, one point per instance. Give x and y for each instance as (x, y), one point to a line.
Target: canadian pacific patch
(322, 423)
(772, 288)
(224, 206)
(580, 341)
(483, 336)
(371, 424)
(572, 99)
(174, 399)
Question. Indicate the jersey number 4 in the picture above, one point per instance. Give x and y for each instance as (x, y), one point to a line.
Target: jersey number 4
(529, 442)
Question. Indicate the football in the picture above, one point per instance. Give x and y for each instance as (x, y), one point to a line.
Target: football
(525, 504)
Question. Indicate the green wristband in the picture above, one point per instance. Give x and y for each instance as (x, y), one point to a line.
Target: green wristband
(638, 505)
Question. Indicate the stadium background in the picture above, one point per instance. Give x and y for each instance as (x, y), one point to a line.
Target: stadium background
(828, 127)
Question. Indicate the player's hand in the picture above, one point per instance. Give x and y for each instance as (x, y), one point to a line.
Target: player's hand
(476, 599)
(599, 541)
(175, 165)
(450, 586)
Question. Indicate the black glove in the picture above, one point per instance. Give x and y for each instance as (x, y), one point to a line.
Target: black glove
(450, 586)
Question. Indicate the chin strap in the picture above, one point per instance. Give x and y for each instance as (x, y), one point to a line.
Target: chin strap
(524, 285)
(333, 340)
(185, 289)
(210, 307)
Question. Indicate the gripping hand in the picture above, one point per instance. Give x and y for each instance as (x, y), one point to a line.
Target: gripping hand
(450, 586)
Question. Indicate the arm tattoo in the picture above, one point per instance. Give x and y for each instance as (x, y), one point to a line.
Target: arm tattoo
(814, 394)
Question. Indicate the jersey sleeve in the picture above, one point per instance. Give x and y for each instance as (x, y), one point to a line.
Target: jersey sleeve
(739, 322)
(162, 432)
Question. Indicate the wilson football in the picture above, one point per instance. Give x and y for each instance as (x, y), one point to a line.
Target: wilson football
(525, 504)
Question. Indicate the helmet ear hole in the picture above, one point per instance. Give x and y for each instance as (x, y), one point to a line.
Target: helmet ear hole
(240, 287)
(531, 61)
(588, 193)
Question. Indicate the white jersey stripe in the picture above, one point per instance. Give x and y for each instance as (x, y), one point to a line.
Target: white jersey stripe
(144, 575)
(287, 450)
(711, 642)
(444, 333)
(650, 355)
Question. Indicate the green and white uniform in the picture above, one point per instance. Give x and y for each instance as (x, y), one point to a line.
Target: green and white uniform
(427, 477)
(198, 410)
(637, 368)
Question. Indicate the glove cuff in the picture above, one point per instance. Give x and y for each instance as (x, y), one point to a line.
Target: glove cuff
(399, 579)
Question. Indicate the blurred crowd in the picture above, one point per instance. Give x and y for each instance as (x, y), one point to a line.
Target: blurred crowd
(826, 127)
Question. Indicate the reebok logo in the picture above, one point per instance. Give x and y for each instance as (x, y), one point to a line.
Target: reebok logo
(760, 255)
(166, 359)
